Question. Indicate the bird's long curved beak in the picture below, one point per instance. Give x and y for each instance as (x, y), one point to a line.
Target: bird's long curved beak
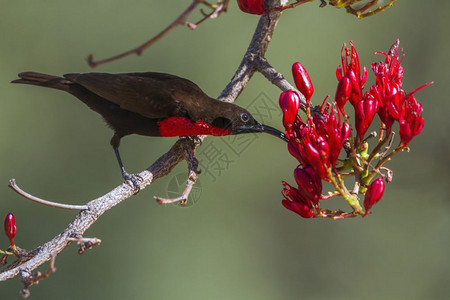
(264, 128)
(274, 132)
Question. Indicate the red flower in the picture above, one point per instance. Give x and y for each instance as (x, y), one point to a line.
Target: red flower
(365, 110)
(411, 121)
(336, 131)
(312, 148)
(302, 81)
(318, 142)
(295, 202)
(387, 89)
(395, 104)
(373, 194)
(10, 227)
(255, 7)
(391, 69)
(289, 103)
(351, 69)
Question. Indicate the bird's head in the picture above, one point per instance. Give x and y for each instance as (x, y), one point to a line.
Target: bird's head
(238, 120)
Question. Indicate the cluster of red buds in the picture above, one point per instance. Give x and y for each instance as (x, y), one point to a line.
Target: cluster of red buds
(318, 141)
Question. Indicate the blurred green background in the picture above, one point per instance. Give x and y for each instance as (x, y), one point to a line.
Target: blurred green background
(237, 241)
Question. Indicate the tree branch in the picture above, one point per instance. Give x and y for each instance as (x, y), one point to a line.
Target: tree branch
(257, 48)
(96, 208)
(138, 50)
(183, 148)
(180, 20)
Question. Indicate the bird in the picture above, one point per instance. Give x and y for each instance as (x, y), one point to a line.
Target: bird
(151, 104)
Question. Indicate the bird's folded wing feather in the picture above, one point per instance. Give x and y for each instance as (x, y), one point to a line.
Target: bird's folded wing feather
(152, 95)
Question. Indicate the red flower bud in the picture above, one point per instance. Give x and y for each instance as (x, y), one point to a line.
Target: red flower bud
(289, 103)
(302, 80)
(295, 202)
(411, 121)
(300, 208)
(309, 183)
(294, 151)
(254, 7)
(343, 92)
(373, 194)
(10, 227)
(356, 94)
(365, 111)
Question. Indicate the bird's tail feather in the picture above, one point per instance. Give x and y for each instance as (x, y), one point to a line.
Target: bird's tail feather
(44, 80)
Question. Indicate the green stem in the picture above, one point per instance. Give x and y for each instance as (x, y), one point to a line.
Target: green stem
(387, 158)
(351, 199)
(7, 253)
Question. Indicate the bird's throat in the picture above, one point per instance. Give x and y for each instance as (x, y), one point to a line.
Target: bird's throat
(180, 126)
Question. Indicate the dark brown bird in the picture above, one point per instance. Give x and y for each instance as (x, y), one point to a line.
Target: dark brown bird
(151, 104)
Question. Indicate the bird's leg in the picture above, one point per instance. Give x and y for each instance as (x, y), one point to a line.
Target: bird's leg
(133, 178)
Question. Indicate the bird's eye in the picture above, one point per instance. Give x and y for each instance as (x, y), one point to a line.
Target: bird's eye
(245, 117)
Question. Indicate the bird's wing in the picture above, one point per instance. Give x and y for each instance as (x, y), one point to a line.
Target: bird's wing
(152, 95)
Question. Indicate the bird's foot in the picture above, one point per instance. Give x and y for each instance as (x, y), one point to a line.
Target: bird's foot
(135, 180)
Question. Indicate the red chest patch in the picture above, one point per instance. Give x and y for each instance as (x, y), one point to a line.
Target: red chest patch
(178, 126)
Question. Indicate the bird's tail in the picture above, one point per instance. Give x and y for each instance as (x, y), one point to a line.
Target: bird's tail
(44, 80)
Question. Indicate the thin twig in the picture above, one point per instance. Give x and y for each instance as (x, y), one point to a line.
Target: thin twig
(389, 145)
(192, 179)
(293, 5)
(84, 243)
(138, 50)
(179, 21)
(221, 7)
(13, 185)
(29, 280)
